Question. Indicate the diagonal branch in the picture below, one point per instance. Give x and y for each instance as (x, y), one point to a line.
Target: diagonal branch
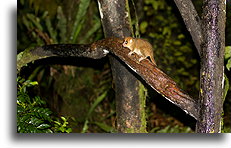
(192, 21)
(154, 77)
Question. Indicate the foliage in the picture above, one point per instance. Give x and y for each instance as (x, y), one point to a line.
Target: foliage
(93, 106)
(84, 90)
(173, 49)
(226, 130)
(228, 66)
(174, 53)
(62, 126)
(174, 129)
(60, 24)
(32, 115)
(51, 27)
(80, 16)
(228, 57)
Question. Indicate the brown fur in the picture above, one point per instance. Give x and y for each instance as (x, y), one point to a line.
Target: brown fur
(141, 47)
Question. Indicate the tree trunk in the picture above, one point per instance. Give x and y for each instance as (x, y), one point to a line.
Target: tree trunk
(129, 103)
(212, 70)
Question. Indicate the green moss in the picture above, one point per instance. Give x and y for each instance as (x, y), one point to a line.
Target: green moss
(25, 57)
(129, 17)
(142, 97)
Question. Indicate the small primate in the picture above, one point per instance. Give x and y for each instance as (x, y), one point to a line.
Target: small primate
(139, 46)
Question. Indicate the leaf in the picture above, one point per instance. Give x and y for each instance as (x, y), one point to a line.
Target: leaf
(227, 52)
(83, 6)
(69, 130)
(62, 24)
(64, 119)
(85, 127)
(181, 36)
(30, 129)
(226, 88)
(228, 65)
(166, 31)
(33, 83)
(51, 30)
(35, 20)
(177, 53)
(25, 118)
(57, 122)
(48, 131)
(94, 28)
(43, 126)
(105, 127)
(143, 26)
(177, 42)
(96, 102)
(35, 121)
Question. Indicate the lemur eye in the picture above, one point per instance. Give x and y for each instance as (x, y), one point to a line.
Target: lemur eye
(125, 42)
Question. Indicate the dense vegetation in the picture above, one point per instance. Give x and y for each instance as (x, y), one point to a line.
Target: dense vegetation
(76, 95)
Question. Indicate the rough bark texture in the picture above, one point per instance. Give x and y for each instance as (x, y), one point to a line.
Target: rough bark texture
(154, 77)
(115, 21)
(191, 20)
(157, 79)
(61, 50)
(212, 62)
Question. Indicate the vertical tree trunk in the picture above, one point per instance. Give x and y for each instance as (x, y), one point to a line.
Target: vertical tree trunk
(129, 104)
(212, 62)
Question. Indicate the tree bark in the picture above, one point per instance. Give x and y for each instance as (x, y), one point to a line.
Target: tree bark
(212, 70)
(129, 107)
(191, 20)
(153, 76)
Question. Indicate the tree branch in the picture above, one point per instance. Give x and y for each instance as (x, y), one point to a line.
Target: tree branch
(59, 50)
(192, 21)
(154, 77)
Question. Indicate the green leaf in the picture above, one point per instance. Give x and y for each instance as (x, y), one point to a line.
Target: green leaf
(83, 6)
(94, 28)
(64, 119)
(177, 42)
(25, 118)
(143, 26)
(177, 53)
(69, 130)
(96, 102)
(62, 24)
(35, 121)
(62, 129)
(166, 31)
(33, 83)
(85, 127)
(58, 123)
(35, 20)
(43, 126)
(48, 131)
(227, 52)
(51, 30)
(228, 65)
(226, 88)
(104, 127)
(181, 36)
